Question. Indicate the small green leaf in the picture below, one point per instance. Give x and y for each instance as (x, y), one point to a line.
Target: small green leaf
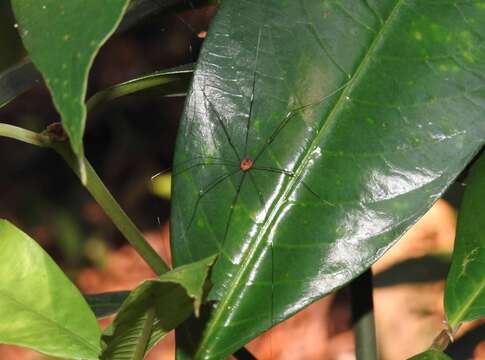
(431, 355)
(23, 76)
(106, 304)
(465, 285)
(62, 38)
(171, 83)
(40, 308)
(154, 308)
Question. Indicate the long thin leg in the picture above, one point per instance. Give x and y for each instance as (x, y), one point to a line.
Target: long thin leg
(289, 116)
(223, 125)
(233, 205)
(275, 133)
(292, 175)
(205, 191)
(275, 170)
(204, 164)
(252, 94)
(200, 157)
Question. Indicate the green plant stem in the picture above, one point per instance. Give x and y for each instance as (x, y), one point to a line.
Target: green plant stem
(142, 343)
(104, 198)
(27, 136)
(363, 317)
(97, 189)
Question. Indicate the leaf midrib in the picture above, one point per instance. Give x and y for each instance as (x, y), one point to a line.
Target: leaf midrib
(292, 183)
(459, 316)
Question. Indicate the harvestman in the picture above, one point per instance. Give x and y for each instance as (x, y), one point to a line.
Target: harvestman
(246, 164)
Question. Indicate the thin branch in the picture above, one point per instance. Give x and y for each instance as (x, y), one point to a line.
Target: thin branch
(104, 198)
(24, 135)
(363, 317)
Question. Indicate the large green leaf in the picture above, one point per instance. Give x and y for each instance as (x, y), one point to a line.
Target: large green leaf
(465, 284)
(154, 308)
(375, 107)
(431, 355)
(62, 38)
(40, 308)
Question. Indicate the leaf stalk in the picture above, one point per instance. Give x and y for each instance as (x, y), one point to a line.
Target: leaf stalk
(363, 317)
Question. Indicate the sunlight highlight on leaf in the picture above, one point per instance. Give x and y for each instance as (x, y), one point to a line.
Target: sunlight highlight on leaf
(40, 307)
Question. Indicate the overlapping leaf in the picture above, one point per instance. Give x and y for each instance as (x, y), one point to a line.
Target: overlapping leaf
(465, 284)
(40, 308)
(62, 38)
(356, 115)
(154, 308)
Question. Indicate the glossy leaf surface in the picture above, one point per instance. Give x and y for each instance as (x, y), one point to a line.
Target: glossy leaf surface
(62, 38)
(431, 355)
(356, 116)
(465, 284)
(40, 307)
(154, 308)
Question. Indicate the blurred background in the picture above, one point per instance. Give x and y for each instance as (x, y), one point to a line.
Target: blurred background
(131, 139)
